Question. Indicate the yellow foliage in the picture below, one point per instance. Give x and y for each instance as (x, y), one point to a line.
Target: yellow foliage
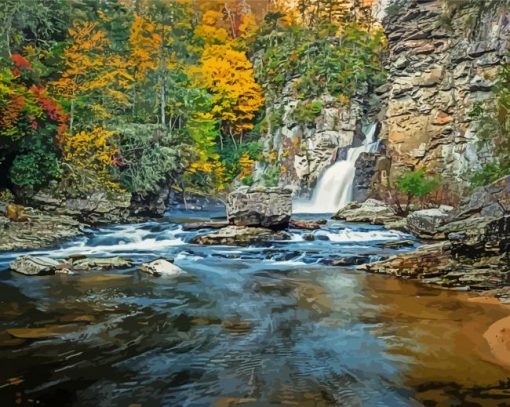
(92, 152)
(228, 74)
(246, 164)
(145, 45)
(84, 60)
(90, 67)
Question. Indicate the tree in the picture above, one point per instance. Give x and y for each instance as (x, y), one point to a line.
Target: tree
(228, 75)
(412, 184)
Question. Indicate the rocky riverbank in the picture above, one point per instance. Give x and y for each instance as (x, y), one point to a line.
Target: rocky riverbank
(35, 229)
(472, 251)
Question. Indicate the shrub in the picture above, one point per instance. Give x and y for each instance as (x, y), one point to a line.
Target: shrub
(271, 177)
(409, 186)
(307, 112)
(248, 180)
(148, 157)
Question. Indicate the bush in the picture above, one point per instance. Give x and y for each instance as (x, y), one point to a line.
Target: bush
(307, 112)
(248, 180)
(492, 123)
(409, 186)
(149, 159)
(271, 177)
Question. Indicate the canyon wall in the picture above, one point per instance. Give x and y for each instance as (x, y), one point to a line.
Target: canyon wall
(443, 57)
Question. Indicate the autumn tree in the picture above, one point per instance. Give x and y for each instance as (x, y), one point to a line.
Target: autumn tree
(91, 72)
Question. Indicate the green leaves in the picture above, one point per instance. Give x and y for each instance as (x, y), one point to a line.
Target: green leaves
(417, 184)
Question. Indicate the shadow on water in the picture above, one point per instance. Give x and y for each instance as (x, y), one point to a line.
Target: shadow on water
(263, 325)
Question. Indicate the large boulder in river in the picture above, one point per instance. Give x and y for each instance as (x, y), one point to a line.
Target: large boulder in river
(35, 266)
(426, 223)
(161, 267)
(256, 206)
(240, 235)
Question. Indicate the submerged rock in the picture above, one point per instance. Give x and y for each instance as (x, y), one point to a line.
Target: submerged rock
(161, 267)
(307, 224)
(264, 207)
(90, 263)
(240, 235)
(35, 266)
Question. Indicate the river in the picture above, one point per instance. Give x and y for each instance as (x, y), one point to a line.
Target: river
(265, 325)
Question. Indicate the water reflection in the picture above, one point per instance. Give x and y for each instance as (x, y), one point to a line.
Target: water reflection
(264, 325)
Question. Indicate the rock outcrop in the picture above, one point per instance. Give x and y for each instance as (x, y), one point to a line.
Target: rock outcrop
(240, 235)
(476, 251)
(265, 207)
(426, 223)
(443, 57)
(97, 208)
(38, 230)
(370, 211)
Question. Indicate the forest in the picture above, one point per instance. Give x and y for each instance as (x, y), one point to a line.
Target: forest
(130, 95)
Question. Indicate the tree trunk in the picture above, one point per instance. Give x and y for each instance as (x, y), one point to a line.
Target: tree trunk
(71, 118)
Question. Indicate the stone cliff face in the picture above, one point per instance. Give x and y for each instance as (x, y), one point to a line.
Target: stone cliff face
(301, 151)
(443, 56)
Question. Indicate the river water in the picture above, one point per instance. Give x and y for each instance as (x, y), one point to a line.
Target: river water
(265, 325)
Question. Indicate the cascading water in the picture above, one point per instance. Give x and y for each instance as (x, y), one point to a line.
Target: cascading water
(334, 188)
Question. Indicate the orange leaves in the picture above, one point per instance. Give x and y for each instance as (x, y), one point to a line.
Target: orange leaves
(84, 60)
(12, 113)
(145, 45)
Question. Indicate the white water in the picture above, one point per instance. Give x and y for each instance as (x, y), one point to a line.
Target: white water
(334, 188)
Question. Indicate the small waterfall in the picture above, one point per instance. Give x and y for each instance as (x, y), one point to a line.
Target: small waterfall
(334, 188)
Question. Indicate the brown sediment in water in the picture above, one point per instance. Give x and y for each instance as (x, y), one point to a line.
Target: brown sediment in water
(498, 339)
(442, 334)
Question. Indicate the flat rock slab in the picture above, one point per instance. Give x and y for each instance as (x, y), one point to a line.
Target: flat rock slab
(35, 266)
(240, 235)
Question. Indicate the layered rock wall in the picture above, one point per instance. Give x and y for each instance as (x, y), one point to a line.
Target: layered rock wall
(300, 152)
(443, 57)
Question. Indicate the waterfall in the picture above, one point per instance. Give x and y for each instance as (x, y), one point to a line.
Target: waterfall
(334, 188)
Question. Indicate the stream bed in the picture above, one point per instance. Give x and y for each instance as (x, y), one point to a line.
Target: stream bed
(271, 324)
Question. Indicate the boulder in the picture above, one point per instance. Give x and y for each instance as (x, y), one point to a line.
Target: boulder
(260, 207)
(161, 267)
(370, 211)
(240, 235)
(426, 223)
(35, 266)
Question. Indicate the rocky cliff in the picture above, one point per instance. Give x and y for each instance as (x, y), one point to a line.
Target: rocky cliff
(443, 56)
(301, 148)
